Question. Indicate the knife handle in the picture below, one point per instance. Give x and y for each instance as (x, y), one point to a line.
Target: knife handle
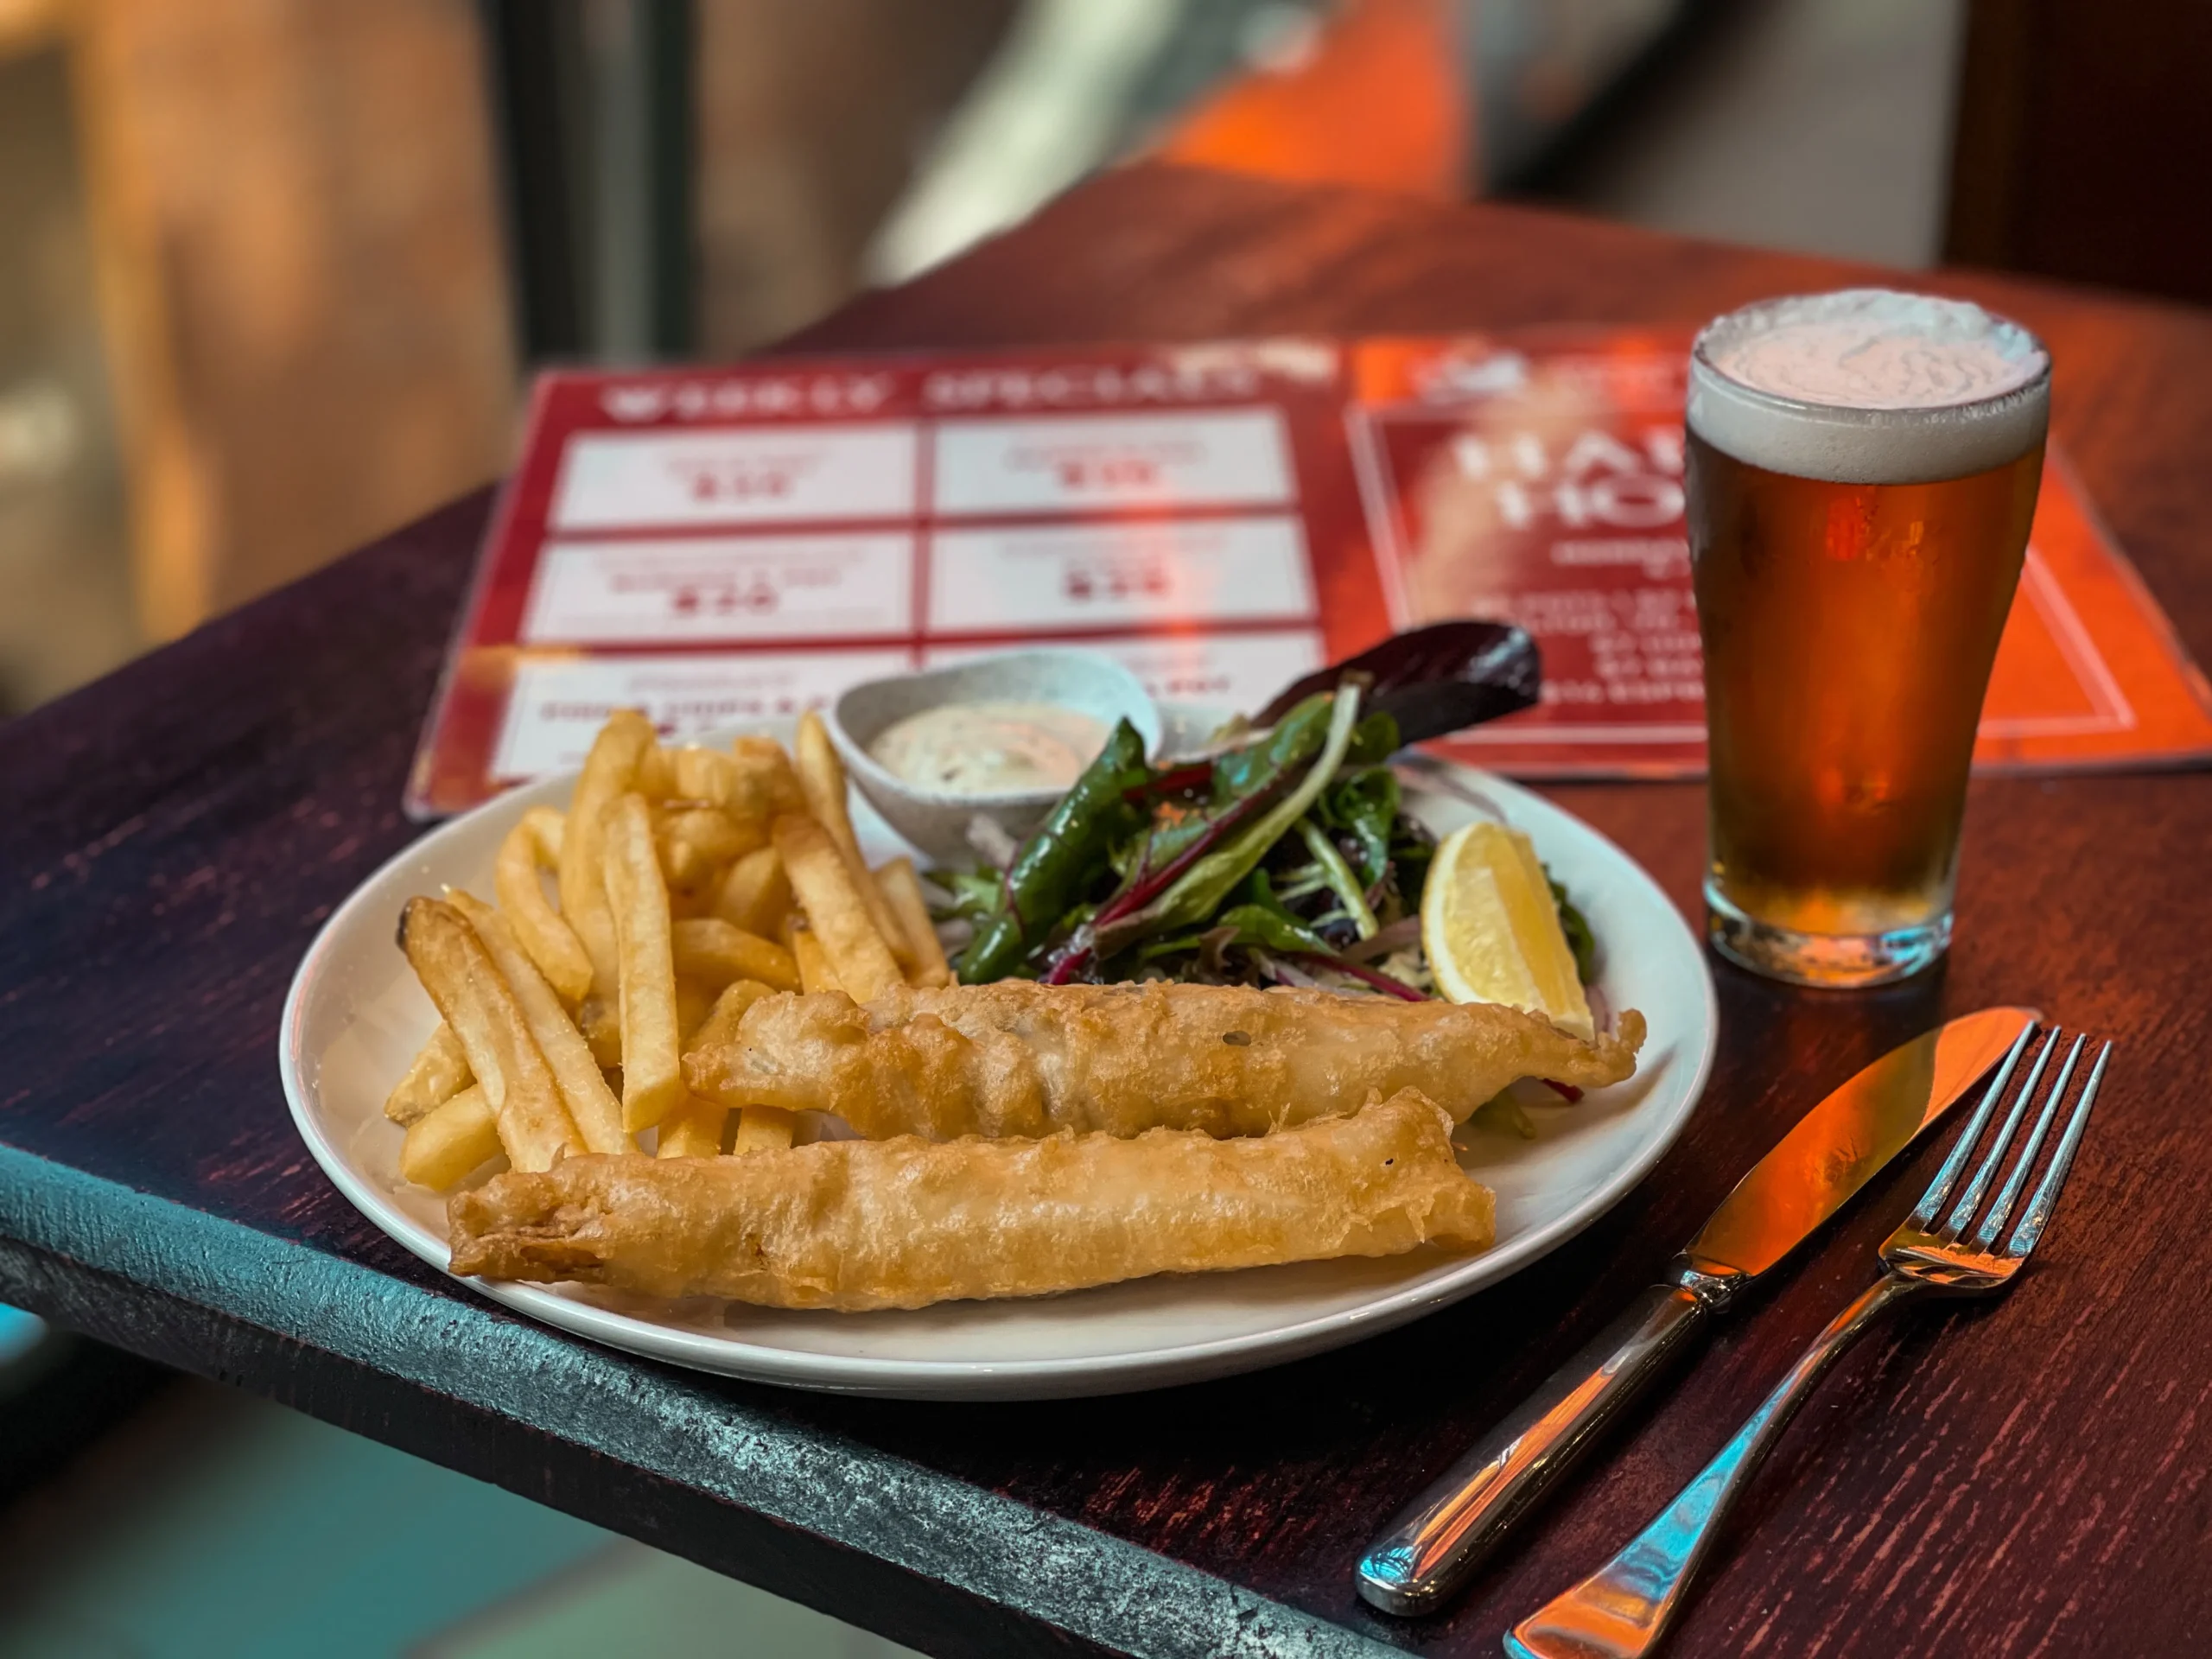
(1438, 1540)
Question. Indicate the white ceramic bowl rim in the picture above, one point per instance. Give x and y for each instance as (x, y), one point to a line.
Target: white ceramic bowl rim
(1089, 681)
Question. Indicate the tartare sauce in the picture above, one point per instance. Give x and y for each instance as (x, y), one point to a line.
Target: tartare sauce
(983, 748)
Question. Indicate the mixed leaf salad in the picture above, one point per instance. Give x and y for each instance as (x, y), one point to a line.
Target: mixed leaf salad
(1282, 857)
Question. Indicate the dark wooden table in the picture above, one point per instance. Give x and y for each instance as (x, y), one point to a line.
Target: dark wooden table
(2026, 1478)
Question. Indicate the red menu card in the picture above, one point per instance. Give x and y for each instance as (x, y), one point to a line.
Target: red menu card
(719, 545)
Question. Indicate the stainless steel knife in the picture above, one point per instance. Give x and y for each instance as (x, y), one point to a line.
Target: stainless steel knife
(1435, 1544)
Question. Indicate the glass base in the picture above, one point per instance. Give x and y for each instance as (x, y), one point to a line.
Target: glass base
(1836, 961)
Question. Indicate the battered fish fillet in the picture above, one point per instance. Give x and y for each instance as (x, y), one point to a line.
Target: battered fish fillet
(859, 1224)
(1020, 1059)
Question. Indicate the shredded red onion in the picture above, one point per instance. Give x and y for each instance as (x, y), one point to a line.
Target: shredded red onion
(1601, 1013)
(1406, 931)
(1284, 973)
(989, 839)
(1381, 981)
(1211, 945)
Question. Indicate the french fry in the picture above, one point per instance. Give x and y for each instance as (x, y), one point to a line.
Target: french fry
(903, 889)
(763, 1128)
(709, 948)
(815, 973)
(592, 1106)
(435, 1075)
(681, 867)
(764, 781)
(822, 778)
(697, 843)
(610, 769)
(653, 1076)
(601, 1024)
(694, 1001)
(696, 1130)
(693, 1130)
(462, 979)
(836, 908)
(655, 779)
(533, 845)
(754, 893)
(713, 835)
(751, 780)
(702, 774)
(686, 903)
(443, 1149)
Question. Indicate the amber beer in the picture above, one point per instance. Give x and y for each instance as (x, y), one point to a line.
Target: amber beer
(1862, 473)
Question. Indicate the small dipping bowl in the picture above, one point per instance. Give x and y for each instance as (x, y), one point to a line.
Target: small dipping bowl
(936, 820)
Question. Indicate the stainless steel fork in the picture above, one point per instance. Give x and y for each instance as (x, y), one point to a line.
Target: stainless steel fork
(1623, 1608)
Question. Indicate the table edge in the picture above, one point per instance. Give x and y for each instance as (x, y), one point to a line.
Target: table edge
(1045, 1569)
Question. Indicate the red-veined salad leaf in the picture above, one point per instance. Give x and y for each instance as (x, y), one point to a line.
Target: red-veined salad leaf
(1434, 681)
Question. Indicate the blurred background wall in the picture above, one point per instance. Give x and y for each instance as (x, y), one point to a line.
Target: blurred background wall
(277, 271)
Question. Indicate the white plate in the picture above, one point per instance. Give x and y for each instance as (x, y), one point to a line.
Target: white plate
(355, 1015)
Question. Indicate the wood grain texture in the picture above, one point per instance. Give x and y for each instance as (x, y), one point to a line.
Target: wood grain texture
(2021, 1479)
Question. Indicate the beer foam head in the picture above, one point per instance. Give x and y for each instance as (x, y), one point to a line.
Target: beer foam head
(1868, 386)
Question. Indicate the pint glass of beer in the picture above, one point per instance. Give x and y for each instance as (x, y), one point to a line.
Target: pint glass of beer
(1862, 472)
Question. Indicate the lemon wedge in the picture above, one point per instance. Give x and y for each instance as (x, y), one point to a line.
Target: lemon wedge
(1491, 931)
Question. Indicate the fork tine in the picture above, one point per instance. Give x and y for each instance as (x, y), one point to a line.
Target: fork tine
(1931, 1203)
(2025, 1236)
(1993, 1160)
(2025, 1165)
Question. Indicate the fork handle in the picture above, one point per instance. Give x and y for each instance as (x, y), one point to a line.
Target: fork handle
(1435, 1543)
(1621, 1611)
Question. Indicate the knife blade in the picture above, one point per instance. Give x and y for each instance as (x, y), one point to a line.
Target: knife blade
(1437, 1542)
